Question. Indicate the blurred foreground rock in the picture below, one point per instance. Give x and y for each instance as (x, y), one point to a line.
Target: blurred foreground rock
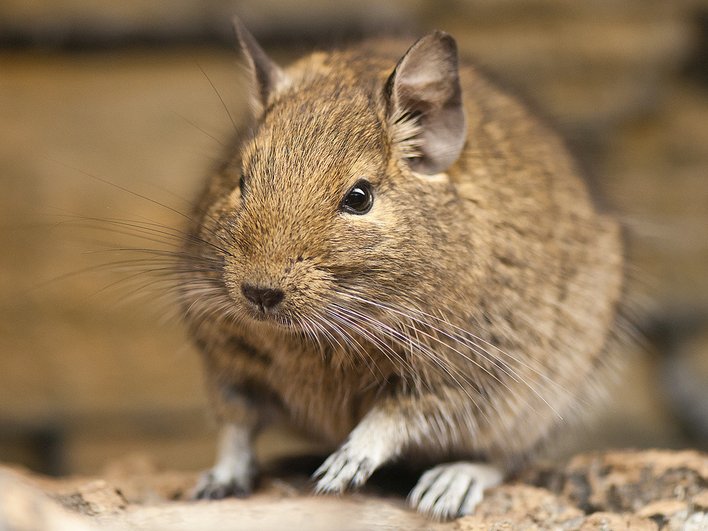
(653, 489)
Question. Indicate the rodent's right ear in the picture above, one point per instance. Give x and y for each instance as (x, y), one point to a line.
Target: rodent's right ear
(266, 76)
(425, 104)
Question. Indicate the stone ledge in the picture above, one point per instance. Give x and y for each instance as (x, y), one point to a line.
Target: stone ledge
(650, 489)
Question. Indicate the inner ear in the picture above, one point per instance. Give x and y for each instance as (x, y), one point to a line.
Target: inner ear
(266, 76)
(425, 104)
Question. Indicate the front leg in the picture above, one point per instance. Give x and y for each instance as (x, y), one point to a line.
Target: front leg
(376, 440)
(396, 423)
(235, 469)
(436, 421)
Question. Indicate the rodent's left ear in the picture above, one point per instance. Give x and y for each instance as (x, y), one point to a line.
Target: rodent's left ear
(424, 101)
(266, 76)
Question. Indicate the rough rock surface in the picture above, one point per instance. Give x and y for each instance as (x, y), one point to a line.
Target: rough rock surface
(652, 489)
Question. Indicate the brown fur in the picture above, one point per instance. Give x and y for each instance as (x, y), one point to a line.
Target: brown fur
(512, 274)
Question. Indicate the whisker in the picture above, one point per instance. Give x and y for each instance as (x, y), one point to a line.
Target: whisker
(123, 189)
(194, 124)
(218, 94)
(476, 348)
(144, 229)
(405, 341)
(347, 336)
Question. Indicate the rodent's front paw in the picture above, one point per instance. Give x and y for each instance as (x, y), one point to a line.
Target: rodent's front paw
(220, 482)
(453, 489)
(345, 468)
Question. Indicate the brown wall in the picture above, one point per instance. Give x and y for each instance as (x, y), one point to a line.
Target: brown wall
(89, 371)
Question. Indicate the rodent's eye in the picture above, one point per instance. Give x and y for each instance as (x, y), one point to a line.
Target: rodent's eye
(359, 199)
(242, 185)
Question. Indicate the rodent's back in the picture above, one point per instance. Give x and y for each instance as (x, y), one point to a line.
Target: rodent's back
(553, 268)
(497, 275)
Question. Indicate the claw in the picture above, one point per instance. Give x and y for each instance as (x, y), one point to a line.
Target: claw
(342, 470)
(210, 487)
(454, 489)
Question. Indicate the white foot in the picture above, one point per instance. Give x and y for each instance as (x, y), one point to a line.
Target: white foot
(345, 468)
(234, 471)
(374, 441)
(453, 489)
(220, 482)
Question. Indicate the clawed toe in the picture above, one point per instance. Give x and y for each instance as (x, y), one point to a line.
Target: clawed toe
(214, 486)
(454, 489)
(342, 470)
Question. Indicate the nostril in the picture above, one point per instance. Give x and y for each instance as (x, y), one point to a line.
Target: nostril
(261, 296)
(272, 297)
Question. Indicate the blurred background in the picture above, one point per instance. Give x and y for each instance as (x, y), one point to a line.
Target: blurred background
(109, 121)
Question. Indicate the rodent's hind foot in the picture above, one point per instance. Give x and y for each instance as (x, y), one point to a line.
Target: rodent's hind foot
(453, 489)
(219, 483)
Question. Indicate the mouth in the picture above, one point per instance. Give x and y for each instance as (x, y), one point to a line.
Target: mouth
(265, 315)
(259, 313)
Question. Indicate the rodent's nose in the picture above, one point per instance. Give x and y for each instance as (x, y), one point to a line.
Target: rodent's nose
(264, 298)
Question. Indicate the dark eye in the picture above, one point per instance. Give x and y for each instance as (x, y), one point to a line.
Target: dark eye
(359, 199)
(242, 185)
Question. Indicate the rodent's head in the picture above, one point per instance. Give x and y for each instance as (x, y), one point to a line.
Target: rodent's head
(336, 196)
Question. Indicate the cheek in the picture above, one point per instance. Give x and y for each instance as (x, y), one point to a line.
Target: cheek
(233, 200)
(233, 277)
(307, 290)
(366, 238)
(307, 286)
(382, 214)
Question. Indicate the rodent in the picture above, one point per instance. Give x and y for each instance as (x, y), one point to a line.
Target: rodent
(402, 260)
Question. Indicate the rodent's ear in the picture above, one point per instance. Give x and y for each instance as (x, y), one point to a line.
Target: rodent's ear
(266, 76)
(425, 104)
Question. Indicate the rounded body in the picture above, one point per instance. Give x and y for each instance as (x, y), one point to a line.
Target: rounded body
(474, 304)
